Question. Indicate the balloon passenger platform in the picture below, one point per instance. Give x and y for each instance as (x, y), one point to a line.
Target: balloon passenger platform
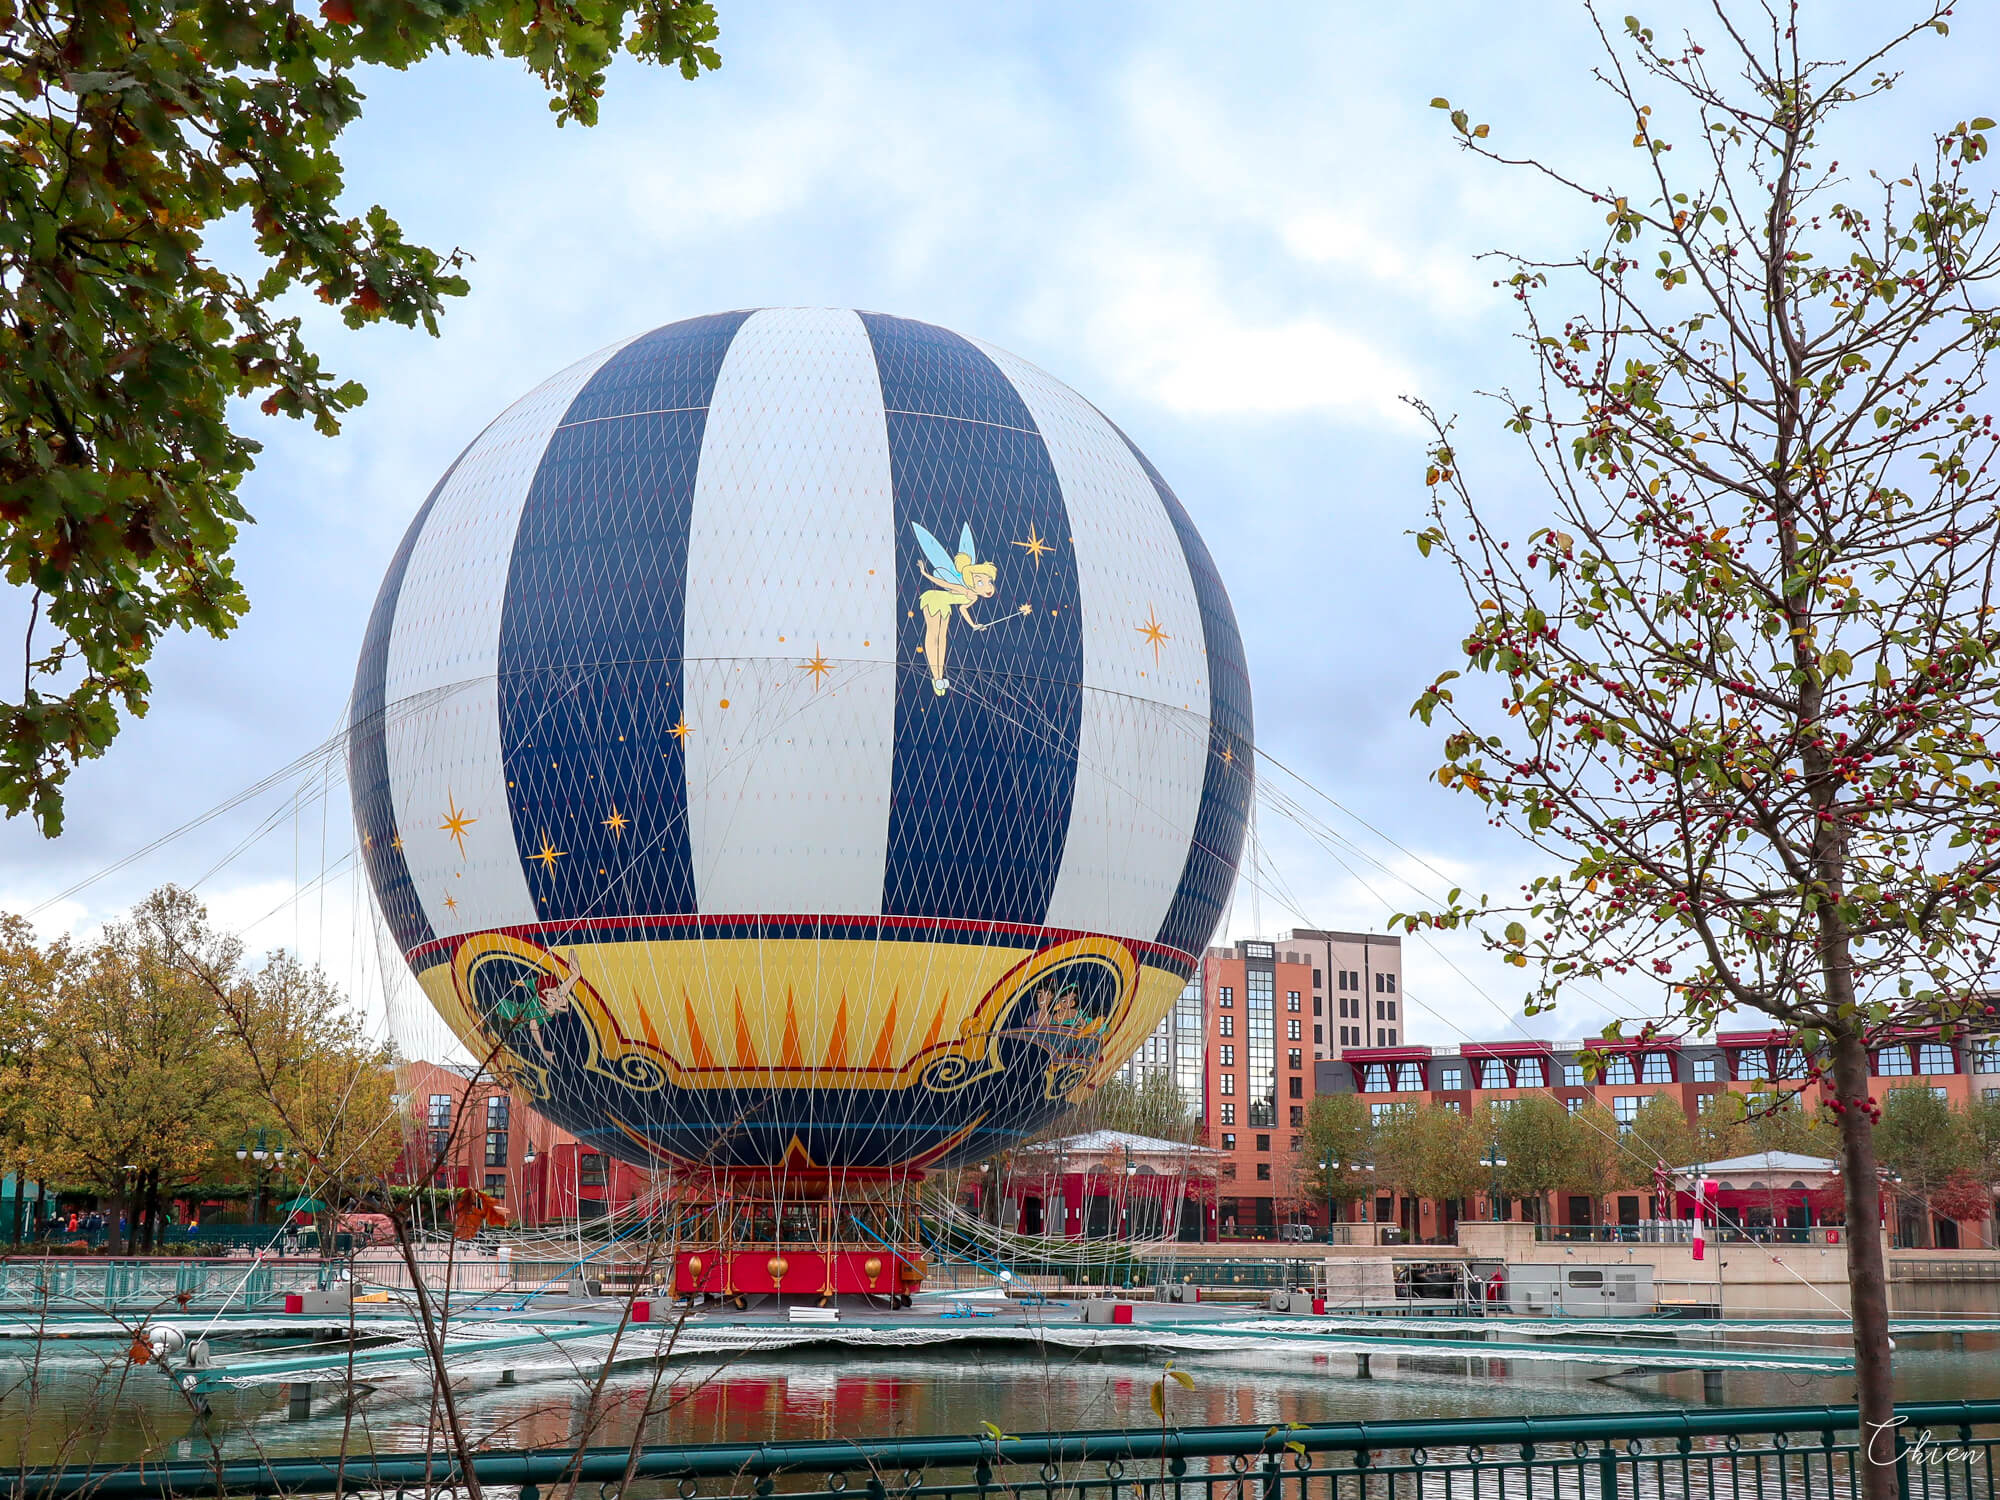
(797, 749)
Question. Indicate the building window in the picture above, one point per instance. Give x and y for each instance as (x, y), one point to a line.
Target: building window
(1409, 1077)
(1292, 1031)
(1573, 1103)
(1291, 999)
(1986, 1055)
(1295, 1088)
(1296, 1143)
(1618, 1069)
(590, 1169)
(1294, 1058)
(1227, 997)
(1260, 995)
(1451, 1076)
(1229, 1114)
(1573, 1075)
(1492, 1073)
(496, 1184)
(1893, 1062)
(496, 1148)
(439, 1116)
(1751, 1065)
(1228, 1173)
(1259, 950)
(1298, 1119)
(1703, 1103)
(1791, 1063)
(1656, 1067)
(1263, 1143)
(1528, 1073)
(1228, 1055)
(1501, 1106)
(1626, 1108)
(440, 1143)
(1229, 1141)
(1381, 1109)
(1381, 1010)
(1990, 1096)
(1228, 1082)
(1935, 1057)
(1704, 1070)
(1319, 1035)
(1226, 1026)
(496, 1111)
(1263, 1171)
(1317, 984)
(1375, 1078)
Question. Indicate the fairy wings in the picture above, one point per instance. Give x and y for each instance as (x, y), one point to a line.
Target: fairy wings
(949, 569)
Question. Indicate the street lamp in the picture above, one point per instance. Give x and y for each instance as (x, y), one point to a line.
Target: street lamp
(269, 1155)
(1494, 1161)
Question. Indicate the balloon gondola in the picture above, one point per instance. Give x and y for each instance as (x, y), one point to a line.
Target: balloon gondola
(801, 749)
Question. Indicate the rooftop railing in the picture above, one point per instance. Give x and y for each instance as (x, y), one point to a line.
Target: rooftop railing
(1943, 1449)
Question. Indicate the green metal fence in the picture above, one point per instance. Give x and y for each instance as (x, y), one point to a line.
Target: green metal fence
(1943, 1450)
(70, 1285)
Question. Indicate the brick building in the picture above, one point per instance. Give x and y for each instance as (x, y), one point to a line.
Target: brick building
(1692, 1073)
(460, 1133)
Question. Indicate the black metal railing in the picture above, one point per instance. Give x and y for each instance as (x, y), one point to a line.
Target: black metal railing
(1939, 1449)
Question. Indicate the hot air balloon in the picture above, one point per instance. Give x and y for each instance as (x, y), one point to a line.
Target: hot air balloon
(801, 745)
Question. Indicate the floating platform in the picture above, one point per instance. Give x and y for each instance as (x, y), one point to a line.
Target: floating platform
(553, 1345)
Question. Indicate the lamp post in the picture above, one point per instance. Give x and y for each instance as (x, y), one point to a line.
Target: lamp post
(269, 1156)
(1493, 1161)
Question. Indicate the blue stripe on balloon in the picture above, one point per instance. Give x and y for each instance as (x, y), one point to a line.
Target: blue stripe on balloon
(1230, 778)
(983, 775)
(590, 634)
(368, 749)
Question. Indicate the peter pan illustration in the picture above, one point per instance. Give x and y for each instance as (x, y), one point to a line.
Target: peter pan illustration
(533, 999)
(961, 580)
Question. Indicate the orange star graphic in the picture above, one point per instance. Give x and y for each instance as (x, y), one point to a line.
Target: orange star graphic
(616, 822)
(455, 823)
(547, 855)
(819, 666)
(1153, 633)
(451, 903)
(1035, 546)
(680, 731)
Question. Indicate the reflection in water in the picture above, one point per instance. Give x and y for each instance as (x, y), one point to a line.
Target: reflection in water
(91, 1406)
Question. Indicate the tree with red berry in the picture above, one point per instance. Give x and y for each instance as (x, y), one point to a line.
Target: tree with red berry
(128, 128)
(1737, 669)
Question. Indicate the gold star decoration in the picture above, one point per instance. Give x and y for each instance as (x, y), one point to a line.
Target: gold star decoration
(616, 822)
(367, 842)
(680, 731)
(1035, 546)
(455, 823)
(1228, 756)
(547, 855)
(1153, 633)
(819, 666)
(451, 903)
(396, 842)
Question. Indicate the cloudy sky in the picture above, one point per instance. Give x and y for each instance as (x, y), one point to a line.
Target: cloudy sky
(1241, 231)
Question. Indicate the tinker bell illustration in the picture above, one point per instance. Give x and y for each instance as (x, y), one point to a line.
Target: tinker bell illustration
(962, 581)
(533, 1000)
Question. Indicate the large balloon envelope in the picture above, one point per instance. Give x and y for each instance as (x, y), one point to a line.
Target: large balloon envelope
(801, 738)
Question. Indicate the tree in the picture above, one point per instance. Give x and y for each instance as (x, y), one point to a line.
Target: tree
(1537, 1138)
(134, 1079)
(1599, 1160)
(127, 131)
(1662, 1134)
(1785, 1120)
(1965, 1198)
(1153, 1106)
(1432, 1151)
(1924, 1142)
(1336, 1154)
(314, 1073)
(1742, 660)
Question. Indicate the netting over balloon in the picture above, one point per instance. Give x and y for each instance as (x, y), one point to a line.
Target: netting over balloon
(801, 739)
